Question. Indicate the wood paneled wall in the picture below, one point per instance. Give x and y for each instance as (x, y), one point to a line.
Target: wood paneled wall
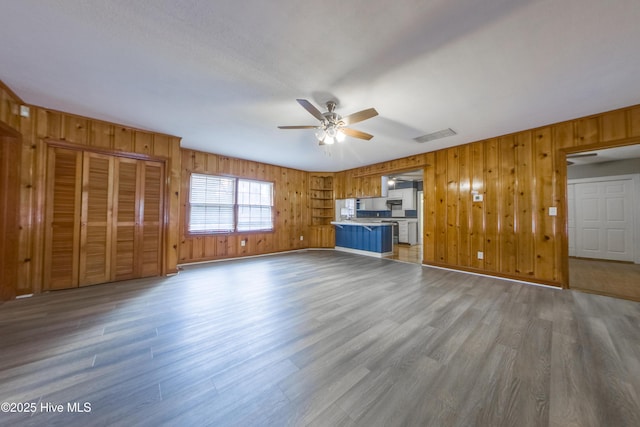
(10, 151)
(520, 176)
(292, 216)
(10, 167)
(45, 124)
(366, 181)
(9, 108)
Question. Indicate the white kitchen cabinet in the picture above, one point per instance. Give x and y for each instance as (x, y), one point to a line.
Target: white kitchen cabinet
(395, 194)
(407, 195)
(409, 199)
(403, 232)
(379, 204)
(413, 233)
(408, 232)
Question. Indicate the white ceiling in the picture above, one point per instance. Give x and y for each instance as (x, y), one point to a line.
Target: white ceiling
(224, 74)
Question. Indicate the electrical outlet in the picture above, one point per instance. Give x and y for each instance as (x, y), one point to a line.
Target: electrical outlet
(480, 255)
(301, 237)
(553, 211)
(243, 242)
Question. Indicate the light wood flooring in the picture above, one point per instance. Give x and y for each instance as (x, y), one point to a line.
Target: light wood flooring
(616, 279)
(407, 253)
(322, 338)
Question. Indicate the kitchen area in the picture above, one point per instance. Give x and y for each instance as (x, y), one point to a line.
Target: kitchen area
(389, 226)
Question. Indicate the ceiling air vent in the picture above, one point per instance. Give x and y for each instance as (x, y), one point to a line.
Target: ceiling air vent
(435, 135)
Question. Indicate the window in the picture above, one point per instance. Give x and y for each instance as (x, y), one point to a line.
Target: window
(220, 204)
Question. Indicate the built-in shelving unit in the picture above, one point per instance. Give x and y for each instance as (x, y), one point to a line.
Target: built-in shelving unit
(322, 208)
(322, 203)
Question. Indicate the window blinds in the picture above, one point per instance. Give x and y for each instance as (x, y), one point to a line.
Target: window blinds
(214, 202)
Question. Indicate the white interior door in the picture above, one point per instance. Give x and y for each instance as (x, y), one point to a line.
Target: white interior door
(604, 225)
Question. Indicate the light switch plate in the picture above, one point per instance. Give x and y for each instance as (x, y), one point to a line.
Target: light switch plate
(553, 211)
(477, 197)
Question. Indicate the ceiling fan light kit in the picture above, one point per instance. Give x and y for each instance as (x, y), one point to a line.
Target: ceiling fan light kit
(333, 127)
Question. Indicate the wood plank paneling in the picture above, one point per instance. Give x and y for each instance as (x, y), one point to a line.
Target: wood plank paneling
(440, 189)
(452, 217)
(544, 242)
(293, 214)
(507, 204)
(614, 125)
(634, 122)
(9, 108)
(523, 175)
(524, 204)
(477, 212)
(81, 131)
(430, 203)
(464, 206)
(504, 182)
(10, 156)
(492, 206)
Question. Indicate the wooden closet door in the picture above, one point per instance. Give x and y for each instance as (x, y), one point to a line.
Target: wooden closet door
(10, 155)
(126, 207)
(96, 219)
(151, 219)
(62, 233)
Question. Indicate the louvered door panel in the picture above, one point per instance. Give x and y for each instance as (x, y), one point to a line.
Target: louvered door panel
(62, 239)
(105, 217)
(125, 218)
(96, 220)
(150, 243)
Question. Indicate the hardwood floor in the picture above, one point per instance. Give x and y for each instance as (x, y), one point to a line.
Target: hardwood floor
(618, 279)
(407, 253)
(321, 338)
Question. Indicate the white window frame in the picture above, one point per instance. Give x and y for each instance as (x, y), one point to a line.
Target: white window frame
(248, 207)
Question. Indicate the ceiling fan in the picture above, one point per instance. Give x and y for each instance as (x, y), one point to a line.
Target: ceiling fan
(332, 126)
(577, 156)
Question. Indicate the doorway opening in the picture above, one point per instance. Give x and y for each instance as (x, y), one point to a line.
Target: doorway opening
(603, 219)
(407, 186)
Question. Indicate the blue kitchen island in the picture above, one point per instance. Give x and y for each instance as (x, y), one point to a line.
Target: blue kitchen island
(365, 238)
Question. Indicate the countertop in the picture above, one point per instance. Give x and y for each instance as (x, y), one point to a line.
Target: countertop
(362, 222)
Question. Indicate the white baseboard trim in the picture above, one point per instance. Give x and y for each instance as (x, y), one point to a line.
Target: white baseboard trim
(493, 277)
(361, 252)
(246, 256)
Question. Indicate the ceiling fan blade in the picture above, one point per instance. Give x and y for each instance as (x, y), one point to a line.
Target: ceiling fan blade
(311, 108)
(299, 127)
(578, 156)
(357, 134)
(359, 116)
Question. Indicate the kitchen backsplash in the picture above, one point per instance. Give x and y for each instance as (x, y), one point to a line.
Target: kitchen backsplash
(374, 214)
(385, 214)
